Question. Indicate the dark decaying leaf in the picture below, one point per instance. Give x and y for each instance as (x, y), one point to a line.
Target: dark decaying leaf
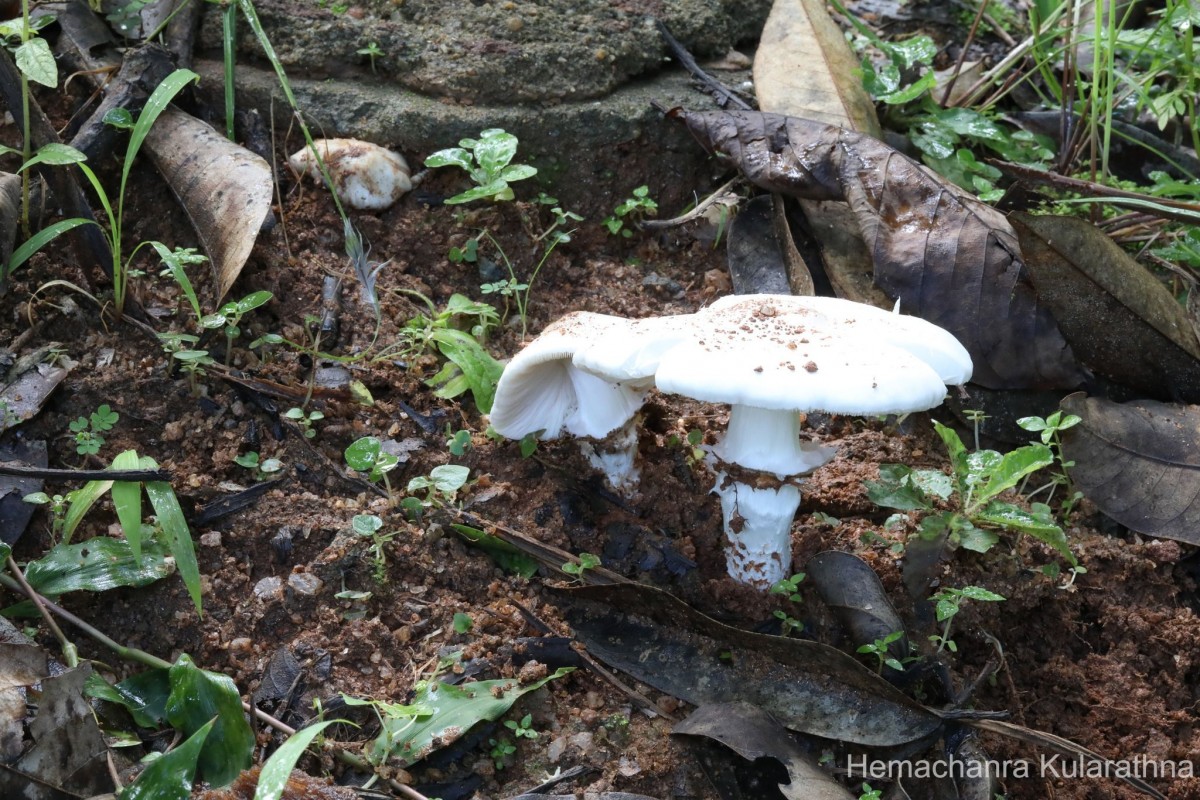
(853, 592)
(948, 257)
(752, 733)
(756, 263)
(1120, 320)
(1139, 462)
(10, 216)
(68, 755)
(15, 513)
(807, 686)
(27, 384)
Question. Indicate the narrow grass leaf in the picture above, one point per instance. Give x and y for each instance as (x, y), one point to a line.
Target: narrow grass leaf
(199, 697)
(170, 777)
(82, 501)
(40, 239)
(175, 528)
(127, 500)
(274, 775)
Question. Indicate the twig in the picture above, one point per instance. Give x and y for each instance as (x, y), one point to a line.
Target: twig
(20, 469)
(724, 93)
(69, 650)
(716, 197)
(962, 55)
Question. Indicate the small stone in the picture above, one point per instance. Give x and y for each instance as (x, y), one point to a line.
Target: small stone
(304, 583)
(210, 539)
(241, 644)
(628, 767)
(514, 24)
(269, 589)
(556, 749)
(593, 700)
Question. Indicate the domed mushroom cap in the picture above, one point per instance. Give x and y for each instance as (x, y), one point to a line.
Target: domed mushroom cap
(812, 354)
(928, 342)
(542, 391)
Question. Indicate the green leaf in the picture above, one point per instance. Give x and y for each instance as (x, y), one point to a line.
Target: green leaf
(40, 239)
(954, 448)
(976, 539)
(96, 565)
(82, 500)
(1012, 468)
(127, 500)
(253, 301)
(363, 454)
(518, 172)
(481, 371)
(275, 773)
(979, 593)
(494, 150)
(56, 155)
(175, 529)
(911, 92)
(144, 695)
(197, 696)
(450, 712)
(452, 157)
(896, 489)
(36, 62)
(157, 103)
(118, 118)
(176, 261)
(490, 190)
(507, 556)
(449, 478)
(170, 777)
(1040, 527)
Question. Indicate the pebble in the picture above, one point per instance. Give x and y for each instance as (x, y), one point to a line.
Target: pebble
(210, 539)
(304, 583)
(269, 589)
(367, 176)
(240, 645)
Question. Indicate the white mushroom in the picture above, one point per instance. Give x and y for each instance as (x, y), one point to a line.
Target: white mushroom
(366, 176)
(542, 392)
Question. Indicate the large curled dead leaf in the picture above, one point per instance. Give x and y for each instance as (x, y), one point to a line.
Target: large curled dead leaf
(224, 188)
(1119, 319)
(948, 257)
(752, 733)
(807, 686)
(855, 595)
(1139, 462)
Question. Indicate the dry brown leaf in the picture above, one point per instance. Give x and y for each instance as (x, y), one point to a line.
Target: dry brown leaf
(948, 257)
(1120, 320)
(224, 188)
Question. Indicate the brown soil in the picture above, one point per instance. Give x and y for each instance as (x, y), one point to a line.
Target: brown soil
(1110, 662)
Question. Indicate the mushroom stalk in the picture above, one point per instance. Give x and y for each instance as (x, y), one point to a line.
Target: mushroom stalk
(758, 523)
(615, 456)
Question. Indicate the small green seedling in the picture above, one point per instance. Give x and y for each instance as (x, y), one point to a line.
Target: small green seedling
(441, 485)
(523, 728)
(367, 455)
(89, 431)
(528, 445)
(459, 442)
(586, 561)
(263, 468)
(502, 748)
(790, 587)
(870, 794)
(371, 51)
(634, 208)
(305, 420)
(229, 317)
(462, 622)
(947, 604)
(488, 161)
(368, 527)
(193, 362)
(1050, 430)
(879, 649)
(58, 505)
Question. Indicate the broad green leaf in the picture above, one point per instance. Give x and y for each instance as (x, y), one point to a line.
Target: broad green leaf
(954, 448)
(56, 155)
(144, 695)
(362, 454)
(933, 482)
(911, 92)
(97, 565)
(896, 489)
(36, 62)
(492, 189)
(449, 478)
(451, 157)
(451, 712)
(253, 301)
(507, 556)
(275, 773)
(1012, 468)
(979, 593)
(82, 500)
(175, 529)
(480, 369)
(494, 150)
(518, 172)
(170, 776)
(976, 539)
(1039, 527)
(197, 696)
(127, 500)
(5, 552)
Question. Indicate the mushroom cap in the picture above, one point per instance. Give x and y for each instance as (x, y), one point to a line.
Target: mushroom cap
(542, 391)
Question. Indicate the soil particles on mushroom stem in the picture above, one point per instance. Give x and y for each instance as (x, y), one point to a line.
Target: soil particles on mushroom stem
(1108, 658)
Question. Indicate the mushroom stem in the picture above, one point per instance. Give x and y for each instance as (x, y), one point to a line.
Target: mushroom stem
(614, 455)
(758, 523)
(768, 440)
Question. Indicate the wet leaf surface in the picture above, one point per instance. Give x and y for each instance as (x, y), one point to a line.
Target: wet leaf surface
(197, 697)
(1120, 320)
(97, 565)
(807, 686)
(948, 257)
(1139, 462)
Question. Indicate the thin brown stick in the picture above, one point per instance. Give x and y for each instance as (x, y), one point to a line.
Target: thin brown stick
(962, 55)
(70, 653)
